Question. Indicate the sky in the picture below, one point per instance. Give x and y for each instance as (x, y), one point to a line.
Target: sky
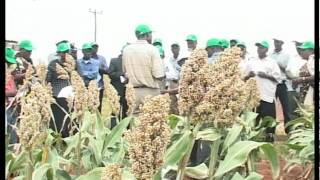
(45, 22)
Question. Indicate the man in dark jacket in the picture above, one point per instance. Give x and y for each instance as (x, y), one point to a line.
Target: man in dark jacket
(118, 81)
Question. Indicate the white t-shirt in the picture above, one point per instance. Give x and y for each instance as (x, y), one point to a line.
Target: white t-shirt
(282, 59)
(266, 87)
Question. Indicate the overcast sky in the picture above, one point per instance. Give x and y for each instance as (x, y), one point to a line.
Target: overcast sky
(46, 22)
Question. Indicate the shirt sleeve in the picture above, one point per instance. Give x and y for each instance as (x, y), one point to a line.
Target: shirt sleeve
(276, 72)
(157, 64)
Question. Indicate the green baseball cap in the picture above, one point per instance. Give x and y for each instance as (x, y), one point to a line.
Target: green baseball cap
(87, 46)
(10, 56)
(241, 43)
(213, 42)
(26, 44)
(224, 43)
(94, 44)
(191, 37)
(161, 51)
(157, 40)
(264, 44)
(143, 29)
(62, 47)
(307, 45)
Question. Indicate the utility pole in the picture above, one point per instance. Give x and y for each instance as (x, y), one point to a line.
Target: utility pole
(95, 12)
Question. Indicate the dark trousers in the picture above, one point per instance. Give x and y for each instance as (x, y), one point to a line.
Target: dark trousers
(59, 116)
(293, 97)
(100, 99)
(124, 106)
(282, 93)
(266, 109)
(11, 118)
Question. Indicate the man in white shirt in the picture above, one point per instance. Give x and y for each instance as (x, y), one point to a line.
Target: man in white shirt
(214, 49)
(267, 74)
(282, 59)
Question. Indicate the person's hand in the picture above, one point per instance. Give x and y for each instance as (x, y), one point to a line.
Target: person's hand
(251, 74)
(262, 74)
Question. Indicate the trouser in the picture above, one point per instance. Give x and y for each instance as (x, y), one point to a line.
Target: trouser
(282, 93)
(124, 107)
(11, 120)
(201, 150)
(141, 93)
(293, 98)
(100, 99)
(60, 116)
(266, 109)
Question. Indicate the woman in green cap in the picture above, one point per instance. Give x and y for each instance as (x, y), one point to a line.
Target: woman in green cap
(59, 81)
(11, 92)
(306, 74)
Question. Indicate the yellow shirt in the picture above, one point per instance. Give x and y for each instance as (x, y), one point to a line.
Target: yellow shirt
(142, 64)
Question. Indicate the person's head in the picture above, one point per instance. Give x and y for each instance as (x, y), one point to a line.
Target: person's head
(278, 44)
(307, 49)
(224, 43)
(297, 44)
(233, 42)
(62, 50)
(262, 50)
(161, 51)
(157, 42)
(87, 50)
(10, 59)
(192, 41)
(73, 51)
(26, 48)
(175, 49)
(213, 46)
(143, 32)
(243, 48)
(95, 48)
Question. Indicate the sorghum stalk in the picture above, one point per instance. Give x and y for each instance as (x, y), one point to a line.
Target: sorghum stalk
(214, 157)
(185, 159)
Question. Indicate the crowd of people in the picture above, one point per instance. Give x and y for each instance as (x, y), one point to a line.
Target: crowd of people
(144, 64)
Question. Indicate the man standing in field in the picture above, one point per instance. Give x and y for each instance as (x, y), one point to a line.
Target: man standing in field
(268, 75)
(143, 66)
(282, 59)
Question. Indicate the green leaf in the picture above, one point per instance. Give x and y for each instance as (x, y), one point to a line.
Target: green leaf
(86, 159)
(254, 176)
(236, 156)
(299, 120)
(18, 162)
(116, 133)
(94, 174)
(96, 146)
(178, 149)
(307, 152)
(250, 118)
(237, 176)
(7, 168)
(41, 172)
(72, 142)
(173, 120)
(267, 121)
(232, 136)
(62, 175)
(208, 134)
(22, 177)
(271, 154)
(198, 172)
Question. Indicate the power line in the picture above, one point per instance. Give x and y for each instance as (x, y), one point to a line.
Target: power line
(95, 12)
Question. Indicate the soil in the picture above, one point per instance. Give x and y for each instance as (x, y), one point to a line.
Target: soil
(264, 169)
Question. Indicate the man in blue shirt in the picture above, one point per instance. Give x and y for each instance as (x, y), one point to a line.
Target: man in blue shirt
(89, 69)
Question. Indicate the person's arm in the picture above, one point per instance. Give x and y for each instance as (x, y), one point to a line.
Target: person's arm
(158, 71)
(103, 69)
(170, 91)
(249, 75)
(11, 89)
(51, 71)
(275, 74)
(115, 70)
